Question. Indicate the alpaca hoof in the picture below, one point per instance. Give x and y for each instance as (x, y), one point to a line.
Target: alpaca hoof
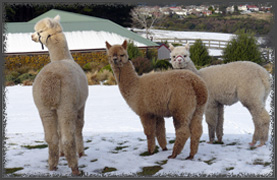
(82, 154)
(172, 156)
(75, 171)
(252, 144)
(189, 157)
(209, 142)
(260, 145)
(165, 149)
(53, 168)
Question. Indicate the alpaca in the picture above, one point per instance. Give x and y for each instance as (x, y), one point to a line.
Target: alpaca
(60, 91)
(153, 96)
(227, 84)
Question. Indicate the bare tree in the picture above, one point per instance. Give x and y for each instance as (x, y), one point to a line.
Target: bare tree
(145, 17)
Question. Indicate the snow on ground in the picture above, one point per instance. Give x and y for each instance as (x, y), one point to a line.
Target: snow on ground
(114, 138)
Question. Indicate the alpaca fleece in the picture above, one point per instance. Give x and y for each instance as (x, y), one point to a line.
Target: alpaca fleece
(60, 91)
(227, 84)
(180, 94)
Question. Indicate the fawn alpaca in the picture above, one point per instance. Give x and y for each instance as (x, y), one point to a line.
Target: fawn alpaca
(60, 91)
(180, 94)
(227, 84)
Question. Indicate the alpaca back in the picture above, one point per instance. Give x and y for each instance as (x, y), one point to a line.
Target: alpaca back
(60, 82)
(225, 81)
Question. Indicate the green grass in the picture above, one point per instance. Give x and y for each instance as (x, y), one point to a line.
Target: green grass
(210, 162)
(161, 162)
(230, 169)
(118, 148)
(40, 146)
(171, 141)
(149, 171)
(146, 153)
(108, 169)
(12, 170)
(94, 160)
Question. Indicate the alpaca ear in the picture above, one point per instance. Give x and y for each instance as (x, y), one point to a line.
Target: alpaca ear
(57, 18)
(124, 45)
(187, 46)
(171, 47)
(108, 46)
(49, 23)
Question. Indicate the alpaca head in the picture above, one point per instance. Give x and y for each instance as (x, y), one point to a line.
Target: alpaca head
(179, 56)
(45, 29)
(117, 54)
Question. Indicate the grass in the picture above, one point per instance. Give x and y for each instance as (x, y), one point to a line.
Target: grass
(40, 146)
(12, 170)
(146, 153)
(230, 169)
(261, 162)
(94, 160)
(149, 171)
(210, 162)
(118, 148)
(108, 169)
(171, 141)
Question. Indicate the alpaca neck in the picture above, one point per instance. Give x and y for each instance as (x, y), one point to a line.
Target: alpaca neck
(192, 67)
(127, 80)
(58, 48)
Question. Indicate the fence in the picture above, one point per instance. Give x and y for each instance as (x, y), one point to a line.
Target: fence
(209, 43)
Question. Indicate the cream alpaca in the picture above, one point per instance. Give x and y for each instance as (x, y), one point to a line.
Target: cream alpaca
(227, 84)
(60, 91)
(180, 94)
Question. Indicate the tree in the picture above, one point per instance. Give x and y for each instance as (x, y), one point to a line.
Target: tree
(243, 47)
(199, 53)
(146, 18)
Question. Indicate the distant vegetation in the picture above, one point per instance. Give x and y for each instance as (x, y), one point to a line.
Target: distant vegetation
(260, 24)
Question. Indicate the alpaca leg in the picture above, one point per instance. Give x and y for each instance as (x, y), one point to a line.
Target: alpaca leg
(219, 125)
(67, 122)
(60, 143)
(49, 120)
(160, 132)
(79, 136)
(196, 131)
(261, 121)
(149, 126)
(182, 134)
(211, 115)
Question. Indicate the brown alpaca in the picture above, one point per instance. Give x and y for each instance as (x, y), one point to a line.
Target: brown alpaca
(60, 91)
(180, 94)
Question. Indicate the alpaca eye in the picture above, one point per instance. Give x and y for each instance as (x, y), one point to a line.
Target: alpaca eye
(173, 56)
(185, 55)
(122, 55)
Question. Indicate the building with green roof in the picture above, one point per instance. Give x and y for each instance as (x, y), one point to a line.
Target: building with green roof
(82, 32)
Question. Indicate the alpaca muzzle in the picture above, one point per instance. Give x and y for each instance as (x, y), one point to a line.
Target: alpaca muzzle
(39, 39)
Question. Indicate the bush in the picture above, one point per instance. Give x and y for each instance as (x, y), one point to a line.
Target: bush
(142, 65)
(243, 47)
(199, 53)
(161, 64)
(87, 67)
(133, 51)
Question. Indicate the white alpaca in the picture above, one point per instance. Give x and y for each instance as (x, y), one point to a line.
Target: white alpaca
(60, 91)
(227, 84)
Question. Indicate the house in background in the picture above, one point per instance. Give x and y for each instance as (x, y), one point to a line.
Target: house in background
(163, 52)
(81, 31)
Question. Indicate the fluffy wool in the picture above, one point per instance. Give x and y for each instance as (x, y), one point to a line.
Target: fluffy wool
(60, 91)
(227, 84)
(180, 94)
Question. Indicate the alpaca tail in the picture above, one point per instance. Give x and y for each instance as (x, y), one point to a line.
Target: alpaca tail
(201, 91)
(51, 88)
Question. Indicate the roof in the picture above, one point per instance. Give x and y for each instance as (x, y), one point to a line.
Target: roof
(72, 22)
(66, 17)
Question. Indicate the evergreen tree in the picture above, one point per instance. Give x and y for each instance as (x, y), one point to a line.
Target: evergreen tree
(199, 53)
(243, 47)
(133, 51)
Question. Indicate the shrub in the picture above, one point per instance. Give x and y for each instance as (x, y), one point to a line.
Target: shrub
(199, 53)
(142, 65)
(133, 51)
(161, 64)
(87, 67)
(243, 47)
(107, 67)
